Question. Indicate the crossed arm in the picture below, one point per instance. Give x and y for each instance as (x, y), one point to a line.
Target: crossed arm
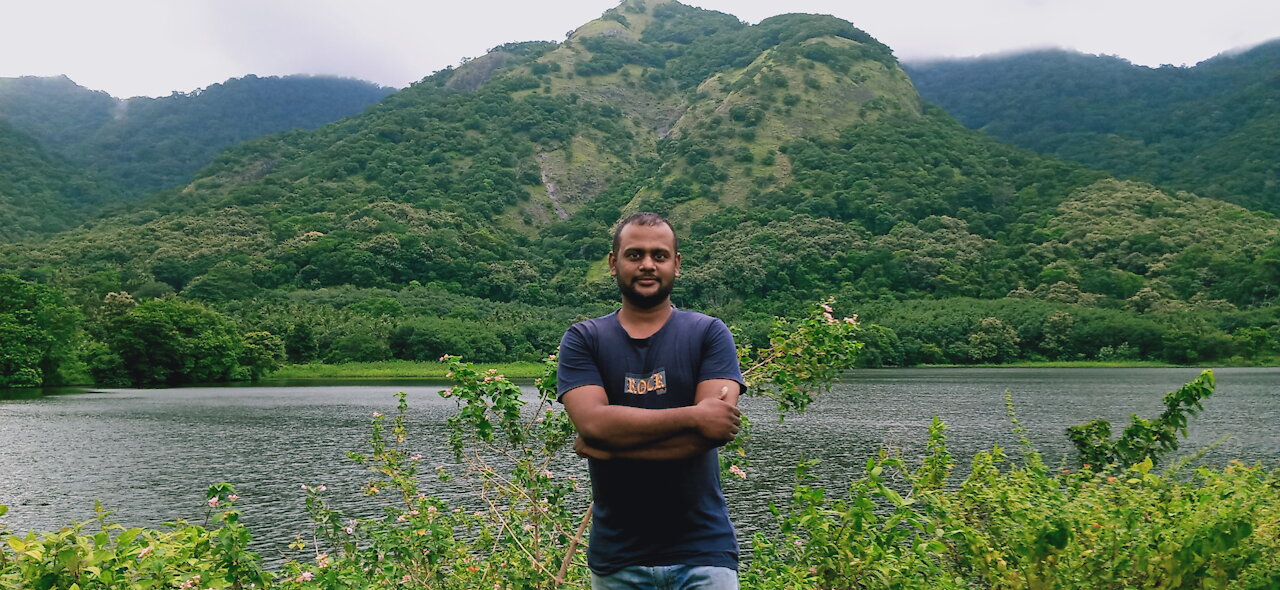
(622, 432)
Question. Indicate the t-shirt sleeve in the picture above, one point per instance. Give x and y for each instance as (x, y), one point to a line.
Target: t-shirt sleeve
(720, 356)
(577, 366)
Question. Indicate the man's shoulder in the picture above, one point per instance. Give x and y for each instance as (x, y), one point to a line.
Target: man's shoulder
(593, 328)
(694, 319)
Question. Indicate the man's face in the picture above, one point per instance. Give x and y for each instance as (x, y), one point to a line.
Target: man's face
(645, 264)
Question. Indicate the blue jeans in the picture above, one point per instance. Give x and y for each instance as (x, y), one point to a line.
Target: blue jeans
(667, 577)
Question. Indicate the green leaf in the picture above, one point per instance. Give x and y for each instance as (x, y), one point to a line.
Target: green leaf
(16, 543)
(128, 536)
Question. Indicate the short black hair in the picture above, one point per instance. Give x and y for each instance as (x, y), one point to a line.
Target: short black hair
(643, 218)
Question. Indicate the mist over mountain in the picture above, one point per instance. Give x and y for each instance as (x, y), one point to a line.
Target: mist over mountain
(1213, 129)
(472, 210)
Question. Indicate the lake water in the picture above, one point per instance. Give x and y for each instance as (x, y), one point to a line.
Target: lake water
(149, 454)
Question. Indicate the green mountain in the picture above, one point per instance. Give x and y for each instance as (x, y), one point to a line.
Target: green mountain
(41, 193)
(147, 144)
(471, 211)
(1213, 129)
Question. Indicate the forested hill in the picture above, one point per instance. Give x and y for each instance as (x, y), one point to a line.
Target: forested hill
(1213, 129)
(471, 211)
(147, 144)
(39, 192)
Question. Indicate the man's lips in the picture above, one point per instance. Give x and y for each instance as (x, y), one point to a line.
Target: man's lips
(645, 280)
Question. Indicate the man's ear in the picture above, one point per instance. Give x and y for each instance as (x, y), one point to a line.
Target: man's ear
(613, 264)
(677, 264)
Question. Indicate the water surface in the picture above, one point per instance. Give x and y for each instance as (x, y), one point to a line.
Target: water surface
(149, 454)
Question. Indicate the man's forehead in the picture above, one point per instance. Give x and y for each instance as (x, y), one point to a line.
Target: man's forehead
(647, 237)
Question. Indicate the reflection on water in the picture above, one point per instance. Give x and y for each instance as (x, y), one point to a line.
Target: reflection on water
(149, 454)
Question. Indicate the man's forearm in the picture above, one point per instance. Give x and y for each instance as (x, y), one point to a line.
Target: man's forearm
(618, 428)
(679, 446)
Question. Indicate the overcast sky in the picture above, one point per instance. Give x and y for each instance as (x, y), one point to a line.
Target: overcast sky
(153, 47)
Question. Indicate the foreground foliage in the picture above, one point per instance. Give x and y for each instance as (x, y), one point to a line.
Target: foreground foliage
(520, 522)
(1024, 525)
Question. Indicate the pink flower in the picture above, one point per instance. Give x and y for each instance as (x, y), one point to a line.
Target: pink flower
(233, 497)
(305, 577)
(415, 458)
(377, 414)
(213, 502)
(321, 489)
(145, 551)
(825, 307)
(852, 320)
(738, 472)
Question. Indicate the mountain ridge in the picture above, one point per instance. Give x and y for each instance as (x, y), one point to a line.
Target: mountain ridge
(141, 145)
(1210, 128)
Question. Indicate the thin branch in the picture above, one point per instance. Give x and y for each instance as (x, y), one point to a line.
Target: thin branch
(573, 546)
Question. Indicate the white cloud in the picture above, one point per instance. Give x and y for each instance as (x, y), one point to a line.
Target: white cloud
(152, 47)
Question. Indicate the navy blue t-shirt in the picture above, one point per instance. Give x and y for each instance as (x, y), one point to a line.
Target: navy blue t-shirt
(654, 512)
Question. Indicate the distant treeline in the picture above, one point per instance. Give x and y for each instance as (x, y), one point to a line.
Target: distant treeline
(172, 340)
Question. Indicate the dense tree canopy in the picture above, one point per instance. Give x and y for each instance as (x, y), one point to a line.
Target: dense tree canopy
(38, 333)
(1211, 129)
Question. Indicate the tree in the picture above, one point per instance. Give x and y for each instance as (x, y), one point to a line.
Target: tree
(261, 353)
(170, 341)
(993, 341)
(38, 333)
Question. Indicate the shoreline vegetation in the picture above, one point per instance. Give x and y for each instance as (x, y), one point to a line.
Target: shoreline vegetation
(399, 369)
(1272, 362)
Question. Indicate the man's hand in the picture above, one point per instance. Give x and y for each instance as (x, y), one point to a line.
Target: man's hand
(718, 419)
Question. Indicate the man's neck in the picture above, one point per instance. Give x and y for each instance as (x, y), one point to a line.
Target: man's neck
(643, 323)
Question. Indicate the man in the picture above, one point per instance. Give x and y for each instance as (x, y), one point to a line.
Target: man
(653, 392)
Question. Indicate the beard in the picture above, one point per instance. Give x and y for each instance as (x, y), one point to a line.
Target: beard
(640, 300)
